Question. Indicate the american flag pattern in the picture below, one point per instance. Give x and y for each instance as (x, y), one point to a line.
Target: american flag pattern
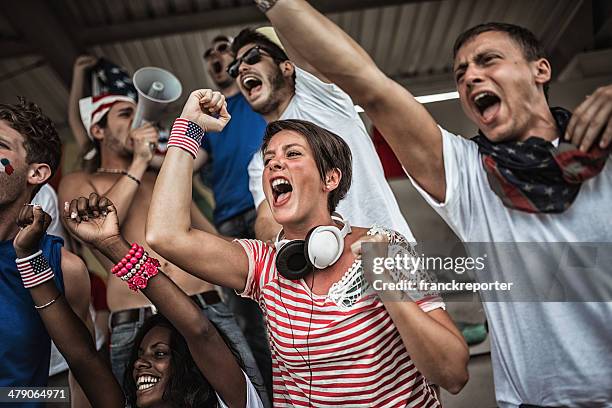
(5, 166)
(327, 356)
(535, 176)
(186, 135)
(34, 270)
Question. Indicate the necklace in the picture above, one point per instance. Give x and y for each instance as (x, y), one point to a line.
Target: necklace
(113, 171)
(118, 171)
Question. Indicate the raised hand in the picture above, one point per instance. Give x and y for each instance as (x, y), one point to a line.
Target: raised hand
(144, 139)
(591, 122)
(33, 222)
(84, 62)
(93, 220)
(381, 250)
(208, 109)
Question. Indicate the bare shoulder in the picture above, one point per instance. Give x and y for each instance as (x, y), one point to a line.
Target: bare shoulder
(76, 281)
(356, 234)
(74, 185)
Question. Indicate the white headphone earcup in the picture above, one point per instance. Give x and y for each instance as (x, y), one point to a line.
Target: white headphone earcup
(324, 245)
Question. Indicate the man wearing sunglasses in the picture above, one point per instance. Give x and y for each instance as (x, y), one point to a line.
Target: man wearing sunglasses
(234, 216)
(280, 88)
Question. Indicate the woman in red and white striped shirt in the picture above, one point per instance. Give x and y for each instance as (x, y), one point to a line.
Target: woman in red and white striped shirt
(335, 339)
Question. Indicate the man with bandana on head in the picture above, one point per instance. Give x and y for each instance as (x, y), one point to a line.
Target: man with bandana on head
(533, 174)
(231, 150)
(123, 158)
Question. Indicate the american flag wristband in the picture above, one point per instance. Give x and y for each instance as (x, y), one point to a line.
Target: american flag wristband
(186, 135)
(34, 269)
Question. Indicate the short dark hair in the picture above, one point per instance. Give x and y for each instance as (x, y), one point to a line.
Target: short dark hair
(530, 45)
(222, 38)
(329, 150)
(250, 36)
(187, 386)
(41, 141)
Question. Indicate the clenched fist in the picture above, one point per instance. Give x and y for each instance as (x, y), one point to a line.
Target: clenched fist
(208, 109)
(93, 220)
(33, 222)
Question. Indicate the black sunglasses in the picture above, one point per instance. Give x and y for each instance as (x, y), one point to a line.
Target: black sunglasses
(220, 48)
(251, 57)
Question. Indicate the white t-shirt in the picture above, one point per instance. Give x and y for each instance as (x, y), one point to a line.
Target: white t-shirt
(47, 198)
(549, 354)
(252, 401)
(370, 199)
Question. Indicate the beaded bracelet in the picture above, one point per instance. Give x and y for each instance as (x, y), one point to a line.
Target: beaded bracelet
(136, 268)
(34, 269)
(186, 135)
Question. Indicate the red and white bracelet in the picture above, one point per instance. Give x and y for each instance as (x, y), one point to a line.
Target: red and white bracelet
(186, 135)
(136, 268)
(34, 269)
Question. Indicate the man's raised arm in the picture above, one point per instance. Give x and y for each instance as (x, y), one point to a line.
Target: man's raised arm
(410, 130)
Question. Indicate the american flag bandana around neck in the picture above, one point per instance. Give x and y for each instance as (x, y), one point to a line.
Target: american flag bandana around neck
(535, 176)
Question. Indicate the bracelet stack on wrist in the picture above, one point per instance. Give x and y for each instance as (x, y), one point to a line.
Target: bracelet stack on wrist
(136, 268)
(186, 135)
(34, 269)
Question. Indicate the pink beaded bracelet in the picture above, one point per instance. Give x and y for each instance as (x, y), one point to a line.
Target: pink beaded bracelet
(136, 268)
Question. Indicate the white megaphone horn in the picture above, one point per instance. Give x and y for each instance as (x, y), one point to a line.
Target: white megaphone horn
(156, 88)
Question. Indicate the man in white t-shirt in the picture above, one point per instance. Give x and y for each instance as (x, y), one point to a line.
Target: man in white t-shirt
(502, 186)
(279, 88)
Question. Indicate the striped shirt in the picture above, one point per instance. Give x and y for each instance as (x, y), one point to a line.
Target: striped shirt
(325, 353)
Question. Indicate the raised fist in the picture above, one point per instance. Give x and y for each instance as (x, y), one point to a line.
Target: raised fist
(84, 62)
(33, 222)
(93, 220)
(208, 109)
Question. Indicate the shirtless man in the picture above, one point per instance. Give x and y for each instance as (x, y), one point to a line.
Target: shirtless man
(122, 176)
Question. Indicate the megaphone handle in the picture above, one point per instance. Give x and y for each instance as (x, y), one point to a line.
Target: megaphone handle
(137, 122)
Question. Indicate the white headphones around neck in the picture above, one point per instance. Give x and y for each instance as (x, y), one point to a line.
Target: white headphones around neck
(321, 248)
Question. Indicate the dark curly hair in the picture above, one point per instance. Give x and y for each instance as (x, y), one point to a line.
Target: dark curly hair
(187, 386)
(41, 141)
(250, 36)
(330, 152)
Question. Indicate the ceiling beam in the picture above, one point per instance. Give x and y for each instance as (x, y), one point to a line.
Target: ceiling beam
(172, 24)
(43, 34)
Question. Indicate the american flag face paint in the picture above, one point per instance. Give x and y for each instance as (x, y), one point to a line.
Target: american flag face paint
(5, 166)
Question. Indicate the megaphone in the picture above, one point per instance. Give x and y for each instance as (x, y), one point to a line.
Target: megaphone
(156, 88)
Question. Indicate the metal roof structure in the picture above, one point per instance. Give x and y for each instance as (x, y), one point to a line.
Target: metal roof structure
(410, 40)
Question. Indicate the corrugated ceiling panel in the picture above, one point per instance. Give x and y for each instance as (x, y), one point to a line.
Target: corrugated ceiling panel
(40, 85)
(160, 8)
(402, 37)
(386, 33)
(118, 11)
(137, 9)
(435, 49)
(410, 40)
